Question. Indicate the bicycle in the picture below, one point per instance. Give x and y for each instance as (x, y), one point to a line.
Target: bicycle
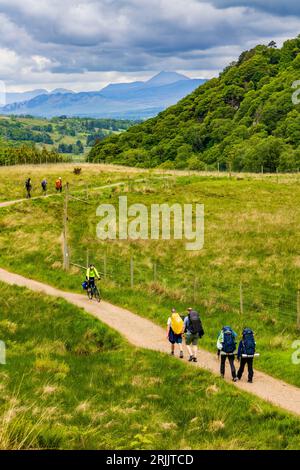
(94, 292)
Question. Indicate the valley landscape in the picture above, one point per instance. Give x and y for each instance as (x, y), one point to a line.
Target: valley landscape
(101, 194)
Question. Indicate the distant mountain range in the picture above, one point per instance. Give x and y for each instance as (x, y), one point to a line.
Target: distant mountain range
(29, 95)
(136, 100)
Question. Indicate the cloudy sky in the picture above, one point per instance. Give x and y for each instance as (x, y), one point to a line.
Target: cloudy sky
(85, 44)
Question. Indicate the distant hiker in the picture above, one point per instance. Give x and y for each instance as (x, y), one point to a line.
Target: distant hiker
(91, 273)
(58, 185)
(246, 353)
(28, 187)
(175, 328)
(193, 331)
(226, 345)
(44, 186)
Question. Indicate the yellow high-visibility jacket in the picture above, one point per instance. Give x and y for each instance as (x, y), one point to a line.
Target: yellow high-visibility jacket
(92, 273)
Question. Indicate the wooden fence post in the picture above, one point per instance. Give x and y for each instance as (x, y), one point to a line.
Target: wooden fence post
(66, 264)
(241, 299)
(154, 271)
(87, 258)
(131, 273)
(104, 266)
(194, 290)
(298, 309)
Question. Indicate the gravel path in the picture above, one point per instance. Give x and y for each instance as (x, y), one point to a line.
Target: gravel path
(145, 334)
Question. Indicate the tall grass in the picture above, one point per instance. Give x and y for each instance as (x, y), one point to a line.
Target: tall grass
(71, 383)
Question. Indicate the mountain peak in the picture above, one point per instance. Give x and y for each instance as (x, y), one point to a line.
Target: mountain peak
(166, 78)
(60, 91)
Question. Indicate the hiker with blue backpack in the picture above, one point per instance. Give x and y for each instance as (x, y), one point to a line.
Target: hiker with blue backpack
(226, 345)
(246, 353)
(175, 328)
(44, 186)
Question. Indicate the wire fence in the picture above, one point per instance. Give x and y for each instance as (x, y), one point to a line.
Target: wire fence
(269, 303)
(216, 168)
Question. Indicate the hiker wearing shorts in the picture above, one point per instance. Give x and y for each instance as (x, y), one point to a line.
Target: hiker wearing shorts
(175, 328)
(226, 346)
(246, 353)
(193, 332)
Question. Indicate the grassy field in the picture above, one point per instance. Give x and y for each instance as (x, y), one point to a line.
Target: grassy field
(251, 235)
(12, 178)
(71, 383)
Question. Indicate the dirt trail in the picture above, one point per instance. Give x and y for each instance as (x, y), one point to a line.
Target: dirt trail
(77, 191)
(145, 334)
(17, 201)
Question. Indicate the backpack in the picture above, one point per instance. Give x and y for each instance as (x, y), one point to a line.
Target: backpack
(229, 343)
(176, 323)
(248, 342)
(58, 184)
(44, 184)
(195, 325)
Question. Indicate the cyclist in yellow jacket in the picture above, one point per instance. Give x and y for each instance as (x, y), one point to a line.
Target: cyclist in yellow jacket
(91, 273)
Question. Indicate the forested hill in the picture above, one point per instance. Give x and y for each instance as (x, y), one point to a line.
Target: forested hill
(245, 117)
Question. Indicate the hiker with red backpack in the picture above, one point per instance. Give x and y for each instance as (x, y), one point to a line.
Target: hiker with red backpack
(193, 332)
(58, 185)
(175, 328)
(226, 345)
(246, 353)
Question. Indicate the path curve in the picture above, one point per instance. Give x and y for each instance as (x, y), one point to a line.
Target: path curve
(145, 334)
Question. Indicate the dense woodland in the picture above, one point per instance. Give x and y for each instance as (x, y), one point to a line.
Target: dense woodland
(245, 119)
(13, 154)
(31, 139)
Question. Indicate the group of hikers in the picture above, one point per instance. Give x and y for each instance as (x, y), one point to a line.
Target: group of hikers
(190, 327)
(44, 186)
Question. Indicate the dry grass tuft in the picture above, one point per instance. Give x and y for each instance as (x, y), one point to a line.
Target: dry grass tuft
(49, 389)
(216, 426)
(168, 426)
(212, 390)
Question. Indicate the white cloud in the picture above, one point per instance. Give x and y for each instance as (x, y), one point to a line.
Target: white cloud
(91, 41)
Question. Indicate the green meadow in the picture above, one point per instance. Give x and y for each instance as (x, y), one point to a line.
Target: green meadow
(71, 383)
(251, 245)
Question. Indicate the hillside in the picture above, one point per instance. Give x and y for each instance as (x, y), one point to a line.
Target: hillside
(244, 119)
(138, 100)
